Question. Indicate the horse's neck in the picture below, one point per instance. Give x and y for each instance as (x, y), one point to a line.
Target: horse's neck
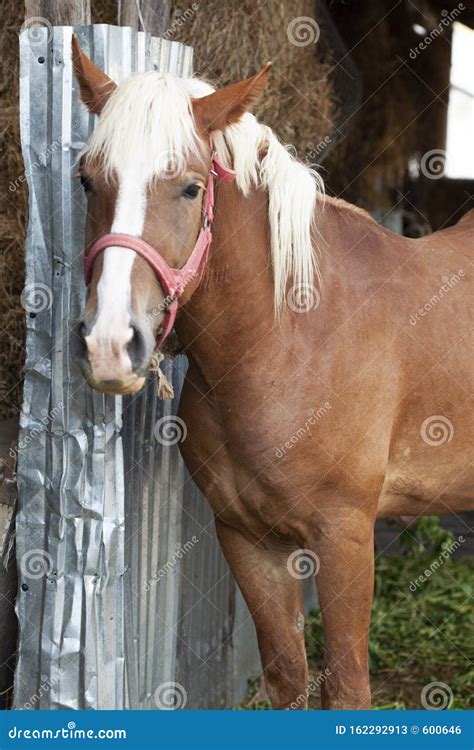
(233, 307)
(230, 320)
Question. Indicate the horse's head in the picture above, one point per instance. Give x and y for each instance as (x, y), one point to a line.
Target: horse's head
(146, 173)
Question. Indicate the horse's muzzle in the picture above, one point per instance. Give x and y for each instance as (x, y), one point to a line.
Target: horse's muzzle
(116, 365)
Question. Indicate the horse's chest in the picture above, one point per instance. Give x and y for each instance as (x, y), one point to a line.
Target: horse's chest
(237, 463)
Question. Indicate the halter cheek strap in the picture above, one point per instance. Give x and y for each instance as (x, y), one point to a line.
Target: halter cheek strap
(173, 281)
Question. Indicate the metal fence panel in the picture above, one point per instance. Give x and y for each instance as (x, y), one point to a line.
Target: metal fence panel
(91, 532)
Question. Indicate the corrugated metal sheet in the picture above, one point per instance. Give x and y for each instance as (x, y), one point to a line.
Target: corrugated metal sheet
(116, 600)
(187, 623)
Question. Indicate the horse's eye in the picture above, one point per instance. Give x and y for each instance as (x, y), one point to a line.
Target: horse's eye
(86, 183)
(191, 191)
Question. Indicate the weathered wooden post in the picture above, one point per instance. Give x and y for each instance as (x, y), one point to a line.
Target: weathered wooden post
(59, 12)
(153, 17)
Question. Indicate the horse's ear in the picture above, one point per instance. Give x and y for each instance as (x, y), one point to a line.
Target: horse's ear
(94, 84)
(227, 105)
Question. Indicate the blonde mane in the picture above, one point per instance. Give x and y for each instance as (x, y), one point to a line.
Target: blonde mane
(149, 119)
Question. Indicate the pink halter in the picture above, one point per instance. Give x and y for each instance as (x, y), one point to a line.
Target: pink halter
(173, 281)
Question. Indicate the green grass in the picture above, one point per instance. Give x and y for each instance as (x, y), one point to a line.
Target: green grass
(420, 632)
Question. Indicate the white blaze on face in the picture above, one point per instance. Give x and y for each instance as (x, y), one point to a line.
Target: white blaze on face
(111, 332)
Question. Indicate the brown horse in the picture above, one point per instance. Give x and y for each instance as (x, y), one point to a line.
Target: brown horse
(328, 380)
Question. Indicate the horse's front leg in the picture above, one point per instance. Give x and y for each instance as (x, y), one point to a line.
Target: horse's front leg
(345, 587)
(275, 600)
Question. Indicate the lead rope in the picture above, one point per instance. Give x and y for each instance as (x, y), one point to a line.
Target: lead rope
(164, 388)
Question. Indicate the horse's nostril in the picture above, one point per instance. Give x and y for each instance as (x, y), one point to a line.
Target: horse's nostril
(136, 348)
(79, 346)
(82, 330)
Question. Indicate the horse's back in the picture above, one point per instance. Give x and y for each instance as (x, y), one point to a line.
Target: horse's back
(461, 233)
(467, 218)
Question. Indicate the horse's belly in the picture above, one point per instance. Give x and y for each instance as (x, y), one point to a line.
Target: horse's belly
(427, 490)
(391, 504)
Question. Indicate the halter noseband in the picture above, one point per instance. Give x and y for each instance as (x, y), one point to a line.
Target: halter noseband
(173, 281)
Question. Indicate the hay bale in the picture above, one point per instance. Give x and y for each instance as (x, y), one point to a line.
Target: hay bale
(13, 218)
(233, 40)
